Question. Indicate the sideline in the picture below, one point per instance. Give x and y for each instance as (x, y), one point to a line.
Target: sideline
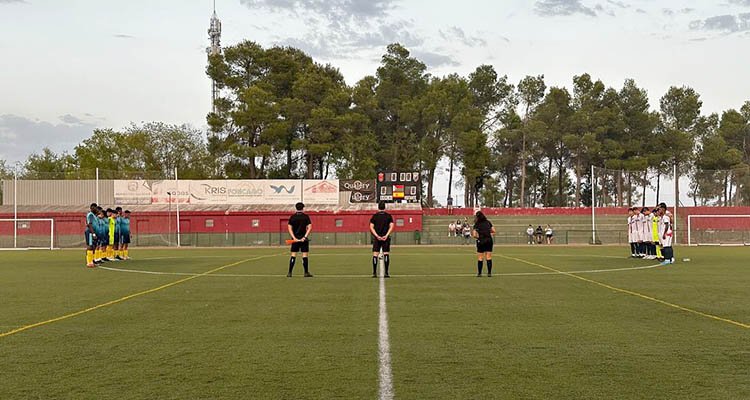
(632, 293)
(128, 297)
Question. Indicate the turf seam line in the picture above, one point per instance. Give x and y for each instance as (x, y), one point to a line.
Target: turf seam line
(633, 293)
(385, 372)
(126, 298)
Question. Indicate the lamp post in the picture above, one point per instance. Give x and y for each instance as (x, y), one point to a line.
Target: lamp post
(15, 205)
(169, 219)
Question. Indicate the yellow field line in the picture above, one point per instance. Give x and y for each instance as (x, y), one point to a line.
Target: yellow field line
(128, 297)
(632, 293)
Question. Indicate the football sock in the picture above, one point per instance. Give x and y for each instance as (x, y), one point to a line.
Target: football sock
(632, 248)
(374, 265)
(479, 267)
(489, 266)
(304, 264)
(89, 257)
(291, 263)
(387, 262)
(126, 253)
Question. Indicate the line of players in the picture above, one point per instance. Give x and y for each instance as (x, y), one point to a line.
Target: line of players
(650, 233)
(107, 235)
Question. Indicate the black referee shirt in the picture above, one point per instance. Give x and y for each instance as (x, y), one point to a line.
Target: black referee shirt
(382, 222)
(299, 222)
(484, 229)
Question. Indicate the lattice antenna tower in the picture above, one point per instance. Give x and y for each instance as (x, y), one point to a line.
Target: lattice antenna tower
(214, 34)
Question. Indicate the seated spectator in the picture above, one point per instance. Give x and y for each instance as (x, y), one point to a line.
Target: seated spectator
(451, 229)
(539, 233)
(549, 234)
(467, 233)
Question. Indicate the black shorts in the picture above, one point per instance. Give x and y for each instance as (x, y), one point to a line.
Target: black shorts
(303, 247)
(125, 238)
(117, 239)
(384, 245)
(484, 245)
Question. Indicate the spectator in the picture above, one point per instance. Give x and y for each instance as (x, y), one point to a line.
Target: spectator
(467, 233)
(539, 233)
(530, 234)
(459, 228)
(451, 229)
(549, 234)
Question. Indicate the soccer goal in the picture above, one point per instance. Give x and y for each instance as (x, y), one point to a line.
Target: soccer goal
(718, 230)
(24, 234)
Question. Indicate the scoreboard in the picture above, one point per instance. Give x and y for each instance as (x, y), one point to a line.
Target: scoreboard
(399, 187)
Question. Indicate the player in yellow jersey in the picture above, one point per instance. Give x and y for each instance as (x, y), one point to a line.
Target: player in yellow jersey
(112, 220)
(655, 233)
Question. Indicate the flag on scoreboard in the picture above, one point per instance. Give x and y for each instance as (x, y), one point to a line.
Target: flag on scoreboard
(398, 192)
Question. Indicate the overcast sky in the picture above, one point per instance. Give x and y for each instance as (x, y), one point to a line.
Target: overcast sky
(69, 66)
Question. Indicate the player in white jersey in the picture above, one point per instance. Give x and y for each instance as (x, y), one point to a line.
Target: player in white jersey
(638, 234)
(631, 233)
(666, 233)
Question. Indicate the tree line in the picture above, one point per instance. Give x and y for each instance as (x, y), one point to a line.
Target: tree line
(281, 115)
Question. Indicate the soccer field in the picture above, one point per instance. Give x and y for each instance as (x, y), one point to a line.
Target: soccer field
(553, 323)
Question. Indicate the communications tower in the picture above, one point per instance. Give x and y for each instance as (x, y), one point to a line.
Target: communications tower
(214, 34)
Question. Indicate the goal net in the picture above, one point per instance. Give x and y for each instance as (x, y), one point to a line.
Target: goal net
(34, 233)
(718, 230)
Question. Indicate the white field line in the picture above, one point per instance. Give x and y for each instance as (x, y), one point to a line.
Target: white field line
(591, 271)
(458, 254)
(385, 374)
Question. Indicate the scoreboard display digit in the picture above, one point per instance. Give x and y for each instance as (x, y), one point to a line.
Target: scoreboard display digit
(399, 187)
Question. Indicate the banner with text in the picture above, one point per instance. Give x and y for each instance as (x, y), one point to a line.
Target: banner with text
(219, 192)
(320, 191)
(361, 191)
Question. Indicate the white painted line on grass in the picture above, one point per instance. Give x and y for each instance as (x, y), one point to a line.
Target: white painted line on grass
(385, 373)
(590, 271)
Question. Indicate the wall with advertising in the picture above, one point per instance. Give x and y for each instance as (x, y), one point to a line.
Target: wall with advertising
(223, 192)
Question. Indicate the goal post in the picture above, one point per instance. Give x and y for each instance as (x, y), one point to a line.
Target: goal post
(718, 230)
(27, 233)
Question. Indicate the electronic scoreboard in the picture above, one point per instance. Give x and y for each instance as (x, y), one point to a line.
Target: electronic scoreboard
(399, 187)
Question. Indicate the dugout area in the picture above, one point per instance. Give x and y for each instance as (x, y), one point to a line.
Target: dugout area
(167, 328)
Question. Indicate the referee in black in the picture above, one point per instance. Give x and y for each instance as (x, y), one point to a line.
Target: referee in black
(381, 227)
(483, 232)
(300, 227)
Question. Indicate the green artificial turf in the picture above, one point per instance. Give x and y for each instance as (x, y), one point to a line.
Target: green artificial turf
(245, 331)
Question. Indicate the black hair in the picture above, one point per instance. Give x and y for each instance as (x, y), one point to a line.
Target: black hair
(299, 206)
(118, 209)
(381, 205)
(663, 205)
(127, 212)
(93, 205)
(480, 217)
